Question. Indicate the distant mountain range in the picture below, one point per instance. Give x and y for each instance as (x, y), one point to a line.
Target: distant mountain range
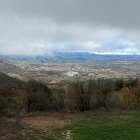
(70, 57)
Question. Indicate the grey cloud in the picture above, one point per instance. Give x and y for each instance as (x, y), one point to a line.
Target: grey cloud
(42, 26)
(120, 13)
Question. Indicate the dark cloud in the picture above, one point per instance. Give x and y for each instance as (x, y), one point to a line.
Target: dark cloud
(120, 13)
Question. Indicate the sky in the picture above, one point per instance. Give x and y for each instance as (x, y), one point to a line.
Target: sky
(40, 27)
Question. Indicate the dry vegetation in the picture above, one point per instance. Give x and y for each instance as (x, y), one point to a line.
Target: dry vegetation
(20, 102)
(32, 96)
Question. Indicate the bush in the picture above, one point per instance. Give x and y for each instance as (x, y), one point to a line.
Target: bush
(2, 104)
(59, 98)
(132, 83)
(13, 101)
(137, 94)
(102, 90)
(40, 97)
(128, 99)
(80, 95)
(119, 84)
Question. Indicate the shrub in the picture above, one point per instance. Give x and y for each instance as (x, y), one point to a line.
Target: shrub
(2, 104)
(128, 99)
(136, 92)
(23, 98)
(40, 97)
(12, 101)
(59, 98)
(119, 84)
(102, 90)
(132, 83)
(80, 93)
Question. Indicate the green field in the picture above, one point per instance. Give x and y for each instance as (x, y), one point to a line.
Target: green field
(102, 126)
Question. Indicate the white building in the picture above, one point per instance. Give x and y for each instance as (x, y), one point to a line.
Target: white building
(71, 73)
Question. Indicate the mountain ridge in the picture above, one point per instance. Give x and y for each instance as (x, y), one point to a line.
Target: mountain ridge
(70, 57)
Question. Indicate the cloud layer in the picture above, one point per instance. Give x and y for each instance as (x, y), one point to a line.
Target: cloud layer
(37, 27)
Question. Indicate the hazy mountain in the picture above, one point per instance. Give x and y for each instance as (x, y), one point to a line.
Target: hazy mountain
(8, 68)
(71, 57)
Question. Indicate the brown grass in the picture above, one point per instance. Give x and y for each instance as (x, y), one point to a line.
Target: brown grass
(29, 125)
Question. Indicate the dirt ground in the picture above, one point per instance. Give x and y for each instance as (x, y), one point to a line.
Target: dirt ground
(32, 125)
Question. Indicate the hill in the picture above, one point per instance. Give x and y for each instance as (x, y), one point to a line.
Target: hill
(7, 84)
(9, 68)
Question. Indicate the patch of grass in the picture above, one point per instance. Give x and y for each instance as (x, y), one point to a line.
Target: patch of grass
(102, 126)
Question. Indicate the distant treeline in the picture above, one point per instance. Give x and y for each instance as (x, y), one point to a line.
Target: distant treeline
(17, 96)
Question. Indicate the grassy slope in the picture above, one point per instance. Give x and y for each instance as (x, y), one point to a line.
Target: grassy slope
(102, 126)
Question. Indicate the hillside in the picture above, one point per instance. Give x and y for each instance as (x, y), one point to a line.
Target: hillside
(12, 70)
(8, 83)
(9, 68)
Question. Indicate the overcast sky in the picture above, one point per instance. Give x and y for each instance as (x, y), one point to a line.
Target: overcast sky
(38, 27)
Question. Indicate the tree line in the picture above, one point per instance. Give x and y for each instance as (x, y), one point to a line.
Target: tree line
(101, 94)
